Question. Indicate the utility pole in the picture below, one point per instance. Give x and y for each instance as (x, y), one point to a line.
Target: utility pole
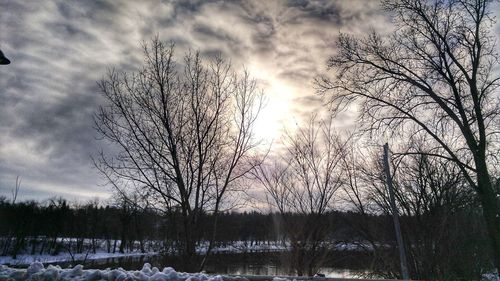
(395, 217)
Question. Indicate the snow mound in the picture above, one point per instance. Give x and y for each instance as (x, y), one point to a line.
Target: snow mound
(37, 272)
(281, 279)
(492, 276)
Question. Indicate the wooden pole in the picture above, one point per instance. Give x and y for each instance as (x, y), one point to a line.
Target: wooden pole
(397, 227)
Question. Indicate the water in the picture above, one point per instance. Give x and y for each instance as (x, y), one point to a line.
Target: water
(268, 264)
(231, 264)
(279, 270)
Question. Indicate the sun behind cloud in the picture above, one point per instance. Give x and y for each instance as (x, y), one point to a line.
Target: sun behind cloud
(277, 110)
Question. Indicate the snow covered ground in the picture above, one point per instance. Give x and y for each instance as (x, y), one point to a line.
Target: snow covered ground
(37, 272)
(265, 246)
(65, 257)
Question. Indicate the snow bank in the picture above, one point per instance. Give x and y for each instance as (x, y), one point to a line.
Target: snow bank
(492, 276)
(281, 279)
(37, 272)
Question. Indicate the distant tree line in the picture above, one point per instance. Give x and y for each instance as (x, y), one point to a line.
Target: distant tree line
(446, 234)
(33, 227)
(52, 226)
(48, 227)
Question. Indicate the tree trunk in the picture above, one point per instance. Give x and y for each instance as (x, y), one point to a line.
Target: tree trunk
(490, 201)
(189, 250)
(123, 241)
(211, 243)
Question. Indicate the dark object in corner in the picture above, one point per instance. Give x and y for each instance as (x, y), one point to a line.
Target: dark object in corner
(3, 59)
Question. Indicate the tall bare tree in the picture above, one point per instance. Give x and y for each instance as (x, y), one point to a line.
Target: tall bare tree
(434, 78)
(441, 220)
(301, 186)
(184, 135)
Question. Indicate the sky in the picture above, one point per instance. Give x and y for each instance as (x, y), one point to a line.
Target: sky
(60, 48)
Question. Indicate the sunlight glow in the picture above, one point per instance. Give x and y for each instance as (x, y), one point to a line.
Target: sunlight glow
(277, 110)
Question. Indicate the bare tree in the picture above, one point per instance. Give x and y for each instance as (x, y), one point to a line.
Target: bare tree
(184, 135)
(15, 190)
(444, 238)
(301, 187)
(432, 78)
(8, 238)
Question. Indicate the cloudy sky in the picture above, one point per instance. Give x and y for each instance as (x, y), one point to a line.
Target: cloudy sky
(60, 48)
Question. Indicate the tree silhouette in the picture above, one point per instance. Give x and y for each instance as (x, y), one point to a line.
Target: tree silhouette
(433, 78)
(185, 137)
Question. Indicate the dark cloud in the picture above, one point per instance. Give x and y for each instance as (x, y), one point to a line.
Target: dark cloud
(327, 11)
(60, 48)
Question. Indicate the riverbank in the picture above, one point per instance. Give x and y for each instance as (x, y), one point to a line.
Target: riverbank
(339, 264)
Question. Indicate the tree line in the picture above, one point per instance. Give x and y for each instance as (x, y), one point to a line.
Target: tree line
(55, 227)
(51, 226)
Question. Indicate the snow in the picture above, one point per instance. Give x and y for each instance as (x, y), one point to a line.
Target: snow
(491, 276)
(243, 247)
(37, 272)
(66, 257)
(281, 279)
(278, 246)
